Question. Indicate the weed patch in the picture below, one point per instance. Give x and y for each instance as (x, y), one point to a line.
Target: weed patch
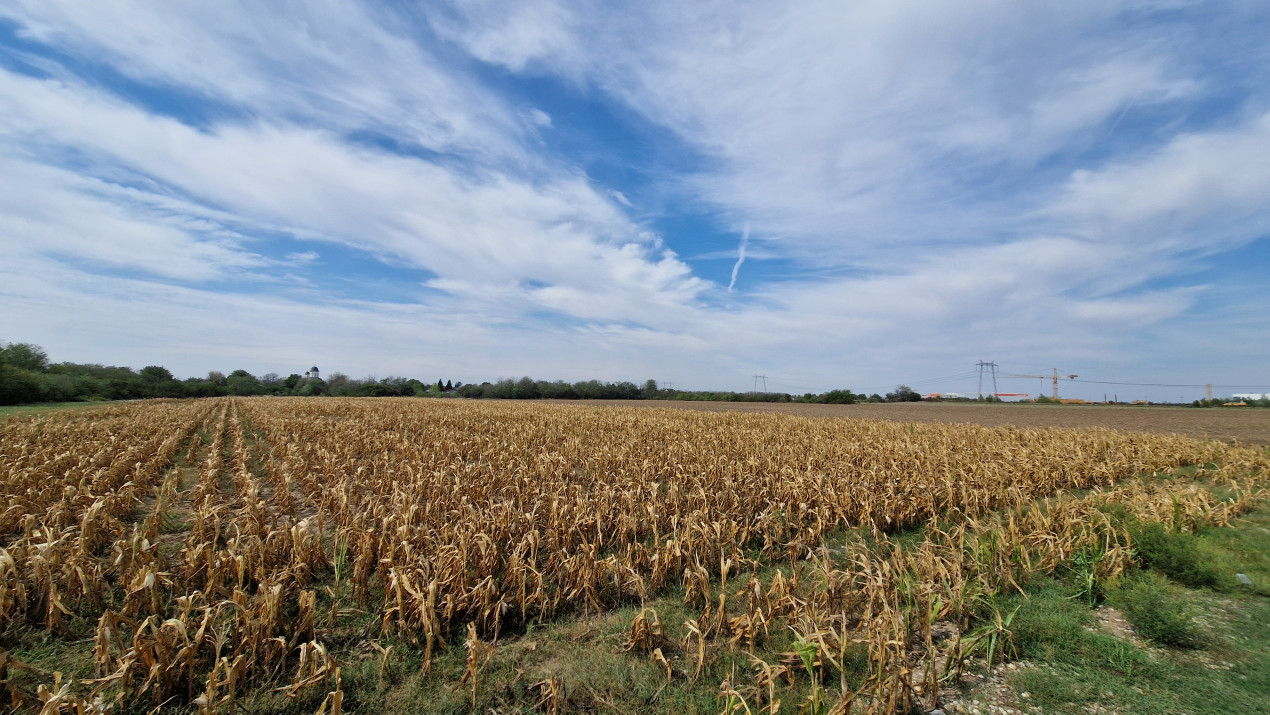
(1175, 554)
(1158, 611)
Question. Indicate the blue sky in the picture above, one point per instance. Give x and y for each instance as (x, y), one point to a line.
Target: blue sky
(565, 190)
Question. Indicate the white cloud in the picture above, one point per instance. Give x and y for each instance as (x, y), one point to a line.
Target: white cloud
(510, 35)
(923, 148)
(55, 212)
(846, 128)
(333, 63)
(945, 183)
(479, 228)
(1200, 190)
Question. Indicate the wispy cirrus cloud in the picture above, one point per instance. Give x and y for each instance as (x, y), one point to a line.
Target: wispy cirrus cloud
(1199, 191)
(338, 65)
(477, 226)
(898, 141)
(845, 128)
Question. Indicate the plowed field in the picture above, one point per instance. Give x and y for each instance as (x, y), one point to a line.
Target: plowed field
(1245, 426)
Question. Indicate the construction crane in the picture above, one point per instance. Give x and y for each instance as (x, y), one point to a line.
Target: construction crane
(1053, 377)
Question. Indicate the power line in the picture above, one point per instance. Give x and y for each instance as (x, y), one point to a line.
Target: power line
(929, 381)
(777, 385)
(980, 370)
(1139, 384)
(1165, 384)
(946, 378)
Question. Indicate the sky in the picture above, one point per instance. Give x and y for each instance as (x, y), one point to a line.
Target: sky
(831, 194)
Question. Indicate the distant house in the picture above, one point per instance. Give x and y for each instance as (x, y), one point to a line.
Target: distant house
(1251, 395)
(312, 373)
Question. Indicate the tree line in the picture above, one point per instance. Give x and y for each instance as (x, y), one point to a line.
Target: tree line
(27, 376)
(527, 388)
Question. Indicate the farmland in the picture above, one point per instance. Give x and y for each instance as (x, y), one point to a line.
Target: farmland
(1232, 425)
(278, 553)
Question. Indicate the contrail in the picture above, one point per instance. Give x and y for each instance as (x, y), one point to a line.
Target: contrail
(745, 239)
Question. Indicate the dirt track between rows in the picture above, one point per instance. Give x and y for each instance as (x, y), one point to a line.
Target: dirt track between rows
(1245, 426)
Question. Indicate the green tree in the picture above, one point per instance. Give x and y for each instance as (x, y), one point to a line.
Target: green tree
(840, 397)
(57, 388)
(526, 389)
(340, 385)
(158, 382)
(370, 388)
(314, 386)
(18, 386)
(241, 382)
(903, 393)
(25, 356)
(558, 390)
(154, 374)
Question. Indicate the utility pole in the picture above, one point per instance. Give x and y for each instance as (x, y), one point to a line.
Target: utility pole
(993, 369)
(756, 381)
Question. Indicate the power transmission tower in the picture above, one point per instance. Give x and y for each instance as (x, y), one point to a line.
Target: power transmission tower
(992, 367)
(756, 381)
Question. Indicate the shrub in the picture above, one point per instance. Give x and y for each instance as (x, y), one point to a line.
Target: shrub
(1047, 622)
(1157, 612)
(1174, 554)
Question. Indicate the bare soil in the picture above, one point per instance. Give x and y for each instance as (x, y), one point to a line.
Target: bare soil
(1246, 426)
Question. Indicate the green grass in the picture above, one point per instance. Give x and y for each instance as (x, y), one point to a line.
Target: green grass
(1160, 611)
(1174, 554)
(1205, 649)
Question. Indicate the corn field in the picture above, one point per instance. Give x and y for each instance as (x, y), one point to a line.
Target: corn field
(208, 549)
